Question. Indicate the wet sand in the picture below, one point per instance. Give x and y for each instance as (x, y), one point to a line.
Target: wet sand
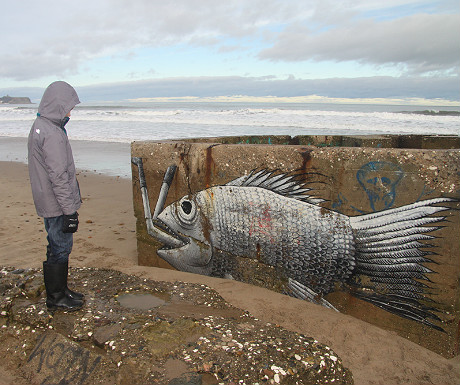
(106, 239)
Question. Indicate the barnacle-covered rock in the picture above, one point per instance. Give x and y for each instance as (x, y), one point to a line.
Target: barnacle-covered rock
(188, 334)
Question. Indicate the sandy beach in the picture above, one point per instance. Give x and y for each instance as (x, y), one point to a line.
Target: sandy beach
(107, 239)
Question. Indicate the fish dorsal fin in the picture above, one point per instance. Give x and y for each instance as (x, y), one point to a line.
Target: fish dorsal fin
(284, 184)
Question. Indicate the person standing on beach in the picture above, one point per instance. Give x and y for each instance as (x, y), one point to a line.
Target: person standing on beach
(55, 189)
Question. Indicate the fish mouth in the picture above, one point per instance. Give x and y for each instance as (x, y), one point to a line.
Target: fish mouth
(166, 235)
(182, 252)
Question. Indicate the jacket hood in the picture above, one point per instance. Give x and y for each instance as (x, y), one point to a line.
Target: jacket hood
(57, 101)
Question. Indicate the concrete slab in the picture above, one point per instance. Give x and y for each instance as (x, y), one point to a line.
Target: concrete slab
(408, 187)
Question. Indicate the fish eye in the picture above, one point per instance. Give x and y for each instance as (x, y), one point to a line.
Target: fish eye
(186, 211)
(186, 207)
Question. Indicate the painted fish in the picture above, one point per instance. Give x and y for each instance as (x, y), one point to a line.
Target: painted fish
(270, 218)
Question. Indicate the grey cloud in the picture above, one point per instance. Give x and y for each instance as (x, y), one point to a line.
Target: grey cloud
(62, 36)
(55, 38)
(370, 87)
(31, 66)
(88, 29)
(366, 87)
(423, 43)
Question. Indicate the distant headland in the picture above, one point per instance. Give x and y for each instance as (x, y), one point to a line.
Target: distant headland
(15, 100)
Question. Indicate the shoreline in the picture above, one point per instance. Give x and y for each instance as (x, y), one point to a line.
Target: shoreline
(107, 239)
(106, 158)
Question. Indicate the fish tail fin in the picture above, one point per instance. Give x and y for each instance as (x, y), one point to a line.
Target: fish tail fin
(390, 259)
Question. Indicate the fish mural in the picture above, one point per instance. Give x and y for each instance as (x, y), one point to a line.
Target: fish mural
(270, 217)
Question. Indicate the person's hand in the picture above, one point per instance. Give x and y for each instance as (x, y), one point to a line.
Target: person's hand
(70, 223)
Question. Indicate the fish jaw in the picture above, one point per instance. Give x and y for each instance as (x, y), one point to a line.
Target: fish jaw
(193, 257)
(165, 235)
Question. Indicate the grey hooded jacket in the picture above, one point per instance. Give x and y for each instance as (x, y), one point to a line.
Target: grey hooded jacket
(51, 166)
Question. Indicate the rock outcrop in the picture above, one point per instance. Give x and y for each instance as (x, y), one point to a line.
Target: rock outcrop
(15, 100)
(134, 330)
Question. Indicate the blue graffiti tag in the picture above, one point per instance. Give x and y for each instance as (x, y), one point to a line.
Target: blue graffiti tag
(379, 181)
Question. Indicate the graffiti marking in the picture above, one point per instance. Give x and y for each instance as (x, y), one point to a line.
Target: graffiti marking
(66, 364)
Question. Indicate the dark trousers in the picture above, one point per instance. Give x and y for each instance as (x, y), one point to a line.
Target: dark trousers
(59, 243)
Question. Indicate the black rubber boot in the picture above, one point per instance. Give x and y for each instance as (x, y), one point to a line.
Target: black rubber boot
(55, 277)
(71, 293)
(68, 292)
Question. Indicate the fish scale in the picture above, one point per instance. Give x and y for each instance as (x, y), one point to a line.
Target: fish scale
(256, 223)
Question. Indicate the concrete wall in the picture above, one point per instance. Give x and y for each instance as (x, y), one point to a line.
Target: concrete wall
(354, 176)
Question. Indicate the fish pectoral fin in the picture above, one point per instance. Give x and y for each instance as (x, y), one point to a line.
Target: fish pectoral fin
(301, 291)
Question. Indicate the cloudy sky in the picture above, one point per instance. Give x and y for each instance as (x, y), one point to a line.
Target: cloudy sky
(117, 49)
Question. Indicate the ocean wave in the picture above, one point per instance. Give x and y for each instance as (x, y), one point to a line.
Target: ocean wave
(128, 123)
(432, 113)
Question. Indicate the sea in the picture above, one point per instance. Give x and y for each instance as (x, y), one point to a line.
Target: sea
(101, 133)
